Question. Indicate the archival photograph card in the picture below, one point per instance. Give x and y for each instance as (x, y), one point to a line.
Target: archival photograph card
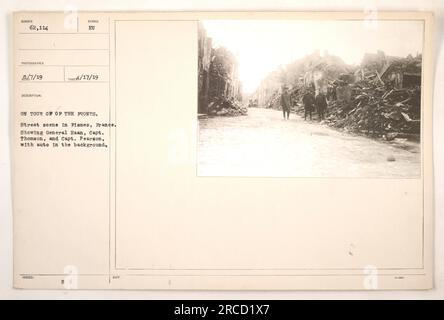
(222, 150)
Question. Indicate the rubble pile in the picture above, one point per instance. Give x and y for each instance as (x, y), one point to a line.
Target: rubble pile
(220, 106)
(377, 110)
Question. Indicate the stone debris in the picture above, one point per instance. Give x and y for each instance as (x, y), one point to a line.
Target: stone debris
(226, 107)
(377, 110)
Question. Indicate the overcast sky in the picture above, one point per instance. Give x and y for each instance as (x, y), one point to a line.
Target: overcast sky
(262, 46)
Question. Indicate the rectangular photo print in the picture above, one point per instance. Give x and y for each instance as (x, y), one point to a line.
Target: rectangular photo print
(310, 98)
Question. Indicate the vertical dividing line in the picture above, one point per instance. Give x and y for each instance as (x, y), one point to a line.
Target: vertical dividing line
(115, 147)
(109, 153)
(421, 135)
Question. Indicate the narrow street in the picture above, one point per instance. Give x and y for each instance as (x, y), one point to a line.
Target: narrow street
(263, 144)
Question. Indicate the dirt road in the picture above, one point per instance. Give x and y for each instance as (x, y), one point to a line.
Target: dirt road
(264, 144)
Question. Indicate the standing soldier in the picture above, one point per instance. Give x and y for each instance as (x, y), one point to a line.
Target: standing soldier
(285, 102)
(321, 105)
(308, 102)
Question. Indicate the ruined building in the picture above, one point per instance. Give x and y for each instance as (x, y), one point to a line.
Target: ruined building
(314, 70)
(395, 71)
(218, 73)
(204, 62)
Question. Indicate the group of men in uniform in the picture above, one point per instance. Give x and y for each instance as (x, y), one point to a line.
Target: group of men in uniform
(309, 101)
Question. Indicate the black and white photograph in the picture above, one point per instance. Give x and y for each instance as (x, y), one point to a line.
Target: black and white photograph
(310, 98)
(281, 152)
